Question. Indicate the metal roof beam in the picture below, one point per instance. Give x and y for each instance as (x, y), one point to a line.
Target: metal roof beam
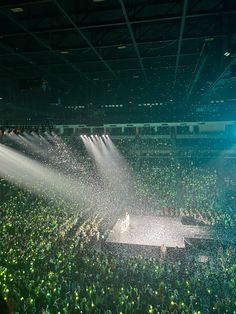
(24, 3)
(136, 69)
(221, 76)
(117, 24)
(148, 68)
(116, 59)
(33, 2)
(115, 45)
(181, 33)
(79, 31)
(198, 70)
(133, 38)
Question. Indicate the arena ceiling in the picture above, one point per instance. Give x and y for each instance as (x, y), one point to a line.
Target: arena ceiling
(67, 56)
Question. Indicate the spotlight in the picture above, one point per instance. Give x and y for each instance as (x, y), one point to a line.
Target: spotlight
(11, 133)
(121, 47)
(64, 52)
(17, 10)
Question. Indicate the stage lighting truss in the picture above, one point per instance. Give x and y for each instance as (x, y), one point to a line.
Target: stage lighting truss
(20, 129)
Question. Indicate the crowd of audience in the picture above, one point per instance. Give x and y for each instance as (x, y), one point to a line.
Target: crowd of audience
(187, 189)
(51, 257)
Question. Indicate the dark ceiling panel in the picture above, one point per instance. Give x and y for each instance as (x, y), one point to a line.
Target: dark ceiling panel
(91, 45)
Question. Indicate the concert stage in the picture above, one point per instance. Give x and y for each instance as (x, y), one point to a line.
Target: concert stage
(156, 231)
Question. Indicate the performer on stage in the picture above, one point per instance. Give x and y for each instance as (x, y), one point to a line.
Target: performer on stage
(163, 251)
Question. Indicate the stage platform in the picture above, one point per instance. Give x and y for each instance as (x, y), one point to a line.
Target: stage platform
(155, 231)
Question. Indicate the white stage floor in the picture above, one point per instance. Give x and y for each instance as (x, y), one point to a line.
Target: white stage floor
(151, 231)
(159, 230)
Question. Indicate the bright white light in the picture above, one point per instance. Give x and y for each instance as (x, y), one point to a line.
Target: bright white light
(43, 180)
(227, 54)
(17, 10)
(113, 170)
(121, 47)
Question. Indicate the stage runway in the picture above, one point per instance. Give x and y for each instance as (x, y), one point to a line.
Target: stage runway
(159, 230)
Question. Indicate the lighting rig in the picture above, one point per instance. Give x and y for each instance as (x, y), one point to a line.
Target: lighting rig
(20, 129)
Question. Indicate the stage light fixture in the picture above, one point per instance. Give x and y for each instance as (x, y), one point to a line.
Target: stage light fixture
(121, 47)
(227, 54)
(17, 10)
